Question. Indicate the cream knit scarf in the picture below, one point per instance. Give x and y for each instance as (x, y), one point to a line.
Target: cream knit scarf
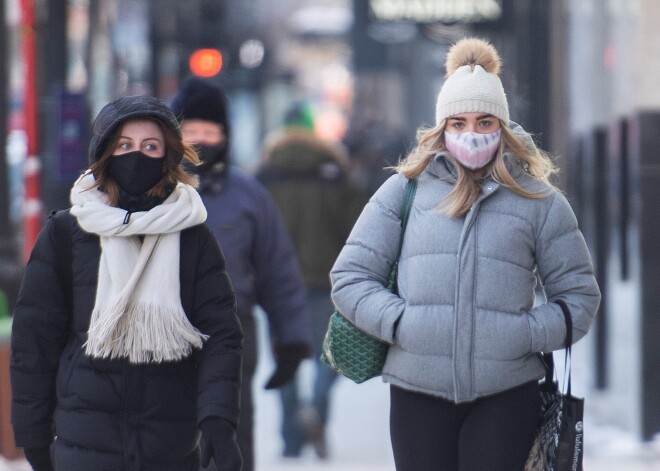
(137, 312)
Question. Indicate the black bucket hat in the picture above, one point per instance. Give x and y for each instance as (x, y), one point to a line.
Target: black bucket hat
(123, 109)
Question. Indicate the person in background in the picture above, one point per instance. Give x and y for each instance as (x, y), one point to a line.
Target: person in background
(310, 182)
(261, 260)
(374, 147)
(465, 330)
(125, 339)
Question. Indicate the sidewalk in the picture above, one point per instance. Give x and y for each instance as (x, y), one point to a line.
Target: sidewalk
(359, 437)
(358, 434)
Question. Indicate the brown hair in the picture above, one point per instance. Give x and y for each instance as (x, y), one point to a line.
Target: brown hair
(173, 171)
(468, 182)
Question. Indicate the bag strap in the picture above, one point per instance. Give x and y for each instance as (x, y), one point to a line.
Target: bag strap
(548, 357)
(569, 343)
(408, 197)
(406, 206)
(62, 231)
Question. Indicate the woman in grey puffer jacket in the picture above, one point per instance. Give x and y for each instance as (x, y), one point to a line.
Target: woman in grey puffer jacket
(464, 330)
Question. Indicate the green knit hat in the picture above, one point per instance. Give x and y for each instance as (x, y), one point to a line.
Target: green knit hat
(300, 115)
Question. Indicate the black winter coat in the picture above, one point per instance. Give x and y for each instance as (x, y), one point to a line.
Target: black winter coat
(109, 414)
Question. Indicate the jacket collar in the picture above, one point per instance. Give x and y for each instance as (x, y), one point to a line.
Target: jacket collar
(213, 182)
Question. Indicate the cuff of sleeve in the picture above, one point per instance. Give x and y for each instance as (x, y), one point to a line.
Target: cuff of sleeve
(550, 333)
(33, 438)
(220, 413)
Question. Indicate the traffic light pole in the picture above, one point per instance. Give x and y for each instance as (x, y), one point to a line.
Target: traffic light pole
(33, 207)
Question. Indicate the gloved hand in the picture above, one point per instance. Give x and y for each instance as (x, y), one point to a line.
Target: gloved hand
(219, 443)
(39, 458)
(288, 357)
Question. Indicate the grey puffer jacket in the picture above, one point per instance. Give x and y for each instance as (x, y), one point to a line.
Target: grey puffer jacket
(465, 324)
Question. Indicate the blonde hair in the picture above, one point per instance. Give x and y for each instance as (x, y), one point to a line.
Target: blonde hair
(468, 182)
(173, 171)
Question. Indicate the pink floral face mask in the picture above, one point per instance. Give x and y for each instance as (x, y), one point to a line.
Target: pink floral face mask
(471, 149)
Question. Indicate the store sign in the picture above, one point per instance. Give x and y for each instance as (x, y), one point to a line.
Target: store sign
(434, 11)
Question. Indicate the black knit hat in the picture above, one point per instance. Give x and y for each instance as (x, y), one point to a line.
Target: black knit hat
(201, 99)
(123, 109)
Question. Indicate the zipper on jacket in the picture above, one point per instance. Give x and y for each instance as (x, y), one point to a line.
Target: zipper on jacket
(457, 289)
(471, 216)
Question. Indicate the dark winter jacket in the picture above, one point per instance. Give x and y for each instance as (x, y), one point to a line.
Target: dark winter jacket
(309, 181)
(109, 414)
(261, 260)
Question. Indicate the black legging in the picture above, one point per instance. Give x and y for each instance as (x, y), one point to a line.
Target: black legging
(493, 433)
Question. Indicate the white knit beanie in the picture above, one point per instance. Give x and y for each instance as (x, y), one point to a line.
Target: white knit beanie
(472, 83)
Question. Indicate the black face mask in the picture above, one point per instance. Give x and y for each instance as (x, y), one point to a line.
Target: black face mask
(135, 173)
(212, 157)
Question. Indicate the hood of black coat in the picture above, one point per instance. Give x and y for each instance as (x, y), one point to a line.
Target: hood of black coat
(124, 109)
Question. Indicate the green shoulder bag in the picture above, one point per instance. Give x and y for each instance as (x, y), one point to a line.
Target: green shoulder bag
(349, 350)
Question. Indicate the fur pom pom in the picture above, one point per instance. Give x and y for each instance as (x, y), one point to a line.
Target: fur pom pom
(473, 51)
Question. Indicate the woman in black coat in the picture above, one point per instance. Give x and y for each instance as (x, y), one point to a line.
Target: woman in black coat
(125, 341)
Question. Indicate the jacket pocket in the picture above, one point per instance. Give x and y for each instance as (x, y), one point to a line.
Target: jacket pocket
(426, 330)
(90, 381)
(502, 335)
(68, 362)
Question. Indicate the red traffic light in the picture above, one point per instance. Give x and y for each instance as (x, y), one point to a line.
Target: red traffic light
(205, 62)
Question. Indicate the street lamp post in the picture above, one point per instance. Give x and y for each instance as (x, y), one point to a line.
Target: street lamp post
(11, 267)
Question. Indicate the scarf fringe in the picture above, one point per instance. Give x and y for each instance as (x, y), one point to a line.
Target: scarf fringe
(144, 333)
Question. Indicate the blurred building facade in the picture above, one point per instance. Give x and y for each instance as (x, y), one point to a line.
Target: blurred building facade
(580, 74)
(608, 120)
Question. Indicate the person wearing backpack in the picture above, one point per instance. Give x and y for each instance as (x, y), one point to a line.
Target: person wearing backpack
(125, 340)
